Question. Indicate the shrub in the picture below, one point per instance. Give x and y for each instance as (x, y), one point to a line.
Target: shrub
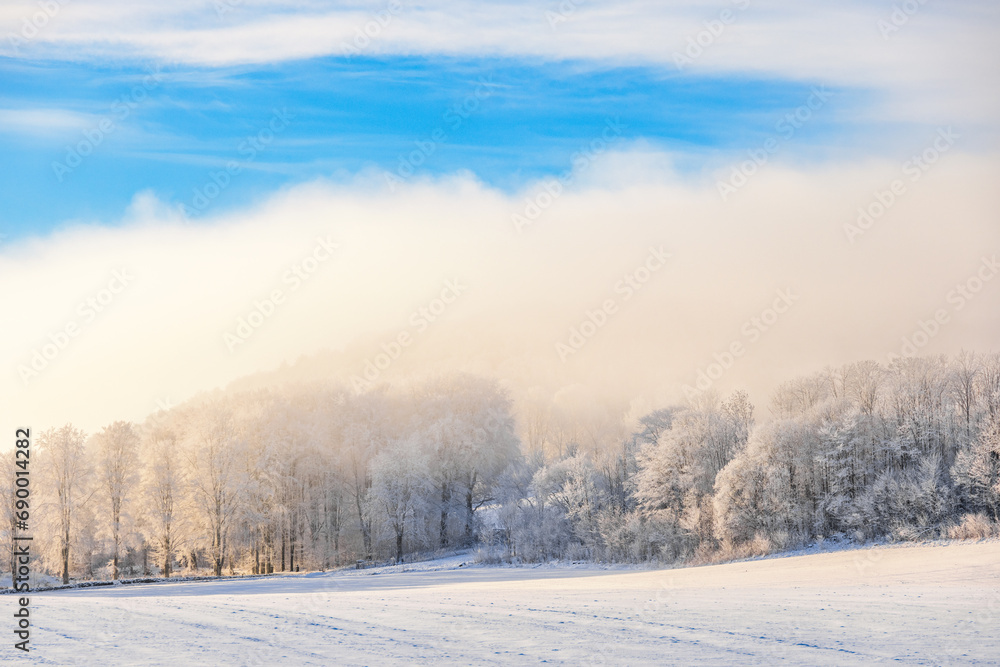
(973, 527)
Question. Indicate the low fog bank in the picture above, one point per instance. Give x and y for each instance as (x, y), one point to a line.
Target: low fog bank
(633, 285)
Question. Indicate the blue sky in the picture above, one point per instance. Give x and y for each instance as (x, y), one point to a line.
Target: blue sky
(553, 85)
(506, 120)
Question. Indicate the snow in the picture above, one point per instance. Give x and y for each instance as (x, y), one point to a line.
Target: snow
(927, 604)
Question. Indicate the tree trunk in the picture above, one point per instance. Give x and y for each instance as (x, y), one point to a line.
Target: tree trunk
(445, 500)
(366, 536)
(269, 552)
(468, 517)
(65, 561)
(115, 522)
(326, 533)
(399, 546)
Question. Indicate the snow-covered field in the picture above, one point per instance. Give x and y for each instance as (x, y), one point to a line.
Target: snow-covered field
(929, 604)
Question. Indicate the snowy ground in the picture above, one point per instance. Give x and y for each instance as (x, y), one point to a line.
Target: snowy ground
(928, 604)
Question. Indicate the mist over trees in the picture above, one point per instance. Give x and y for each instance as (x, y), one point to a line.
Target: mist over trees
(315, 476)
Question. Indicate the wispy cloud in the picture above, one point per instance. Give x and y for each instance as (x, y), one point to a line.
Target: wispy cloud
(43, 122)
(937, 62)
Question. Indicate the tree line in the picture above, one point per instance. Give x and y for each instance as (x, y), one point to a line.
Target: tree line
(312, 476)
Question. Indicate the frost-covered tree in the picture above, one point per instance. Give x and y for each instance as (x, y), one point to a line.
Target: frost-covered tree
(542, 529)
(366, 432)
(117, 450)
(8, 490)
(163, 489)
(754, 493)
(65, 474)
(470, 433)
(576, 489)
(978, 469)
(212, 468)
(511, 500)
(400, 483)
(677, 473)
